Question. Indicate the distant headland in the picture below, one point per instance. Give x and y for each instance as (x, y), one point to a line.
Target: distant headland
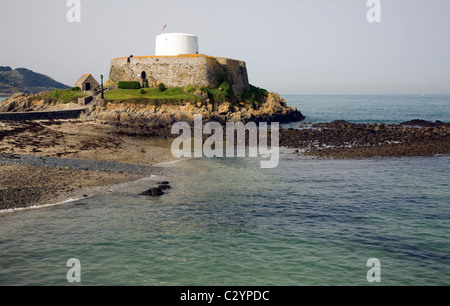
(22, 80)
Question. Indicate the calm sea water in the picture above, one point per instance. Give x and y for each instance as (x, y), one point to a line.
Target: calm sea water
(372, 109)
(228, 222)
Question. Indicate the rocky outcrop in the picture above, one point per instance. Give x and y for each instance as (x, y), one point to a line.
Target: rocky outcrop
(164, 186)
(19, 103)
(423, 123)
(145, 115)
(153, 192)
(342, 139)
(136, 115)
(275, 109)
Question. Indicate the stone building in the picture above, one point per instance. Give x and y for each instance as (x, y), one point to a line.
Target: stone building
(183, 69)
(87, 82)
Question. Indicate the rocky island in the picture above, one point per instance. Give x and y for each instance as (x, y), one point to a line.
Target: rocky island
(111, 130)
(61, 143)
(56, 143)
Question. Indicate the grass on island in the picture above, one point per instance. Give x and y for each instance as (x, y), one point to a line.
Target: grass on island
(177, 95)
(158, 96)
(255, 94)
(60, 96)
(221, 93)
(173, 95)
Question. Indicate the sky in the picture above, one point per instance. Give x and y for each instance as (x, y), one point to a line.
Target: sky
(290, 46)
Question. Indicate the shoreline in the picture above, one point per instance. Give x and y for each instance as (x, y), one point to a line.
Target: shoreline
(51, 162)
(92, 191)
(25, 187)
(81, 194)
(37, 206)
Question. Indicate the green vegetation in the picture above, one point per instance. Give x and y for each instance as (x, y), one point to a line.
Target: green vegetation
(221, 93)
(129, 85)
(191, 89)
(172, 95)
(59, 96)
(177, 95)
(254, 94)
(75, 89)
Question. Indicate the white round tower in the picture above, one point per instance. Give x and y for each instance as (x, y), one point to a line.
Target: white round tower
(176, 44)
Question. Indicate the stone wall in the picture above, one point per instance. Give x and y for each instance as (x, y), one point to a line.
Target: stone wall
(182, 70)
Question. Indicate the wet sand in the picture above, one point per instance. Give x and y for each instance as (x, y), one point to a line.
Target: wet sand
(75, 155)
(29, 185)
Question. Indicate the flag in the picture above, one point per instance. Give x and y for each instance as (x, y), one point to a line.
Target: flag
(165, 26)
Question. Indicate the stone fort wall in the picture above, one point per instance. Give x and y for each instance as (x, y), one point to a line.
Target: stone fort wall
(182, 70)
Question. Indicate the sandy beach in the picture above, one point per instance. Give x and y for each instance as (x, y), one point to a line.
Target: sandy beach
(47, 162)
(26, 185)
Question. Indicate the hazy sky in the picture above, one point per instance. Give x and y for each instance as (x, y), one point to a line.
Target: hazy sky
(290, 46)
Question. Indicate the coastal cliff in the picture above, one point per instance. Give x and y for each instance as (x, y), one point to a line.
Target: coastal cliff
(145, 114)
(274, 109)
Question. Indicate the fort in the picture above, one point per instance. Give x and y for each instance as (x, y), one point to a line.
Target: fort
(177, 63)
(216, 88)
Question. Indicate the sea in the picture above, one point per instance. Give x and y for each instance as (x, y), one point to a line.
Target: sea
(227, 222)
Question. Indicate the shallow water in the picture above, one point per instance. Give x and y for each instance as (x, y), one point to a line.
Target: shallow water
(227, 222)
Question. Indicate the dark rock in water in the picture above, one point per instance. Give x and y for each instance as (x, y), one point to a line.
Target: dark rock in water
(163, 183)
(342, 139)
(154, 192)
(418, 122)
(164, 187)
